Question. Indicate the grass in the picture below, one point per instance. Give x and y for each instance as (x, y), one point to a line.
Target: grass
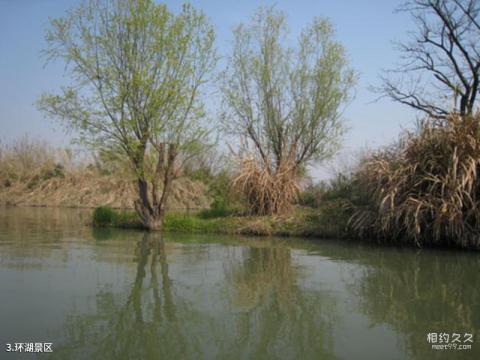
(104, 216)
(301, 222)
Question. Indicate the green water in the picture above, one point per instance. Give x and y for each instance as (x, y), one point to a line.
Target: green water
(116, 294)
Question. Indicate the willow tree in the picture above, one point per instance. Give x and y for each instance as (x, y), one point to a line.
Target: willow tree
(284, 103)
(137, 72)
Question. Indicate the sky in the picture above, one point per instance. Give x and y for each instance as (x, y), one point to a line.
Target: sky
(367, 29)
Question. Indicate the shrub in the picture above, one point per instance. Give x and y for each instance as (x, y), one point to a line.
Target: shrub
(224, 201)
(105, 216)
(312, 195)
(215, 213)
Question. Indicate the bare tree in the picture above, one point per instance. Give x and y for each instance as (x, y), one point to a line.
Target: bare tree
(137, 72)
(441, 64)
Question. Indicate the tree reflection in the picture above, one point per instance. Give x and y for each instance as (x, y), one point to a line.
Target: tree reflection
(267, 313)
(279, 318)
(419, 293)
(131, 330)
(263, 272)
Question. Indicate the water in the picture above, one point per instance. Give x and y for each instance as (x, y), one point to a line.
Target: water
(117, 294)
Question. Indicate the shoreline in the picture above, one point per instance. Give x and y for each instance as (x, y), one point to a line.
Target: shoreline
(301, 223)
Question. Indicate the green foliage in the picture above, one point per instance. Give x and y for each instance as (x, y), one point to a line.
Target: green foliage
(216, 212)
(335, 202)
(220, 189)
(105, 216)
(137, 77)
(341, 188)
(119, 52)
(301, 222)
(57, 171)
(192, 224)
(312, 195)
(203, 174)
(286, 101)
(213, 169)
(224, 202)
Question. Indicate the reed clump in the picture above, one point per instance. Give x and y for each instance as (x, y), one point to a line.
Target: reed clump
(267, 191)
(426, 189)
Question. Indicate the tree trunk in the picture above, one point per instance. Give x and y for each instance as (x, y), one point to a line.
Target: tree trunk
(151, 209)
(151, 217)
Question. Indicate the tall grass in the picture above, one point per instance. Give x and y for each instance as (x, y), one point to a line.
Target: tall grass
(32, 172)
(426, 189)
(18, 159)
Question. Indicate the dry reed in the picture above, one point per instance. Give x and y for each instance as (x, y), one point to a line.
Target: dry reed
(426, 190)
(33, 173)
(267, 191)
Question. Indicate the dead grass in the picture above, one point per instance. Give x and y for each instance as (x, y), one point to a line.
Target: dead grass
(89, 189)
(426, 191)
(267, 191)
(32, 173)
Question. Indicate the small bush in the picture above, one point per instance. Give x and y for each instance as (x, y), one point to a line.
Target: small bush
(104, 216)
(218, 208)
(312, 195)
(215, 213)
(224, 202)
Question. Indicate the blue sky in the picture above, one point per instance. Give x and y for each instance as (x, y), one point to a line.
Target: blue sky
(366, 29)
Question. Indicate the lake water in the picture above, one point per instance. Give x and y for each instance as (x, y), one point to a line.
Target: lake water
(118, 294)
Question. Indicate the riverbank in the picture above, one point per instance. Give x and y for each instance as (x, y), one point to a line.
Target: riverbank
(301, 222)
(88, 189)
(327, 222)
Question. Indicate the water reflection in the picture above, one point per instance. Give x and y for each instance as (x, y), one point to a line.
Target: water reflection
(264, 272)
(279, 318)
(262, 313)
(130, 326)
(117, 294)
(414, 292)
(417, 294)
